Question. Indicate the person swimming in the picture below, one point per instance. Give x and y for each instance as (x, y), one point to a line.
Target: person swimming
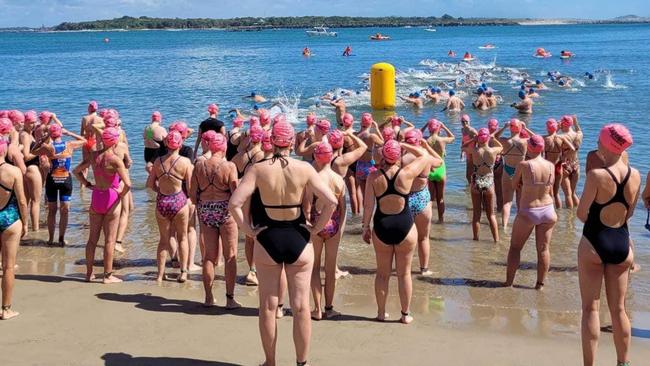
(454, 103)
(526, 104)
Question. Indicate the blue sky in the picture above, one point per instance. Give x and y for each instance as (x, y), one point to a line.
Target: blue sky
(52, 12)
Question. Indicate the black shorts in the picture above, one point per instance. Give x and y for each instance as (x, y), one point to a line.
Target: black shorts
(58, 190)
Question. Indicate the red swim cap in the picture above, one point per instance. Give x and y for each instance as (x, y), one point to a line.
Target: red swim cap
(265, 117)
(55, 131)
(156, 116)
(279, 118)
(45, 117)
(566, 121)
(238, 122)
(311, 119)
(388, 133)
(254, 121)
(391, 151)
(465, 118)
(536, 144)
(213, 109)
(515, 126)
(395, 120)
(208, 136)
(180, 127)
(433, 125)
(256, 133)
(282, 135)
(267, 146)
(174, 140)
(616, 138)
(483, 135)
(218, 143)
(551, 125)
(335, 138)
(30, 116)
(16, 117)
(493, 124)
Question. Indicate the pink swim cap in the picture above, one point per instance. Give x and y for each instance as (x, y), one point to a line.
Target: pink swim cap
(323, 153)
(238, 122)
(103, 112)
(4, 114)
(110, 120)
(434, 125)
(395, 120)
(413, 137)
(267, 146)
(254, 121)
(348, 120)
(180, 127)
(566, 121)
(323, 126)
(366, 120)
(465, 118)
(156, 116)
(110, 136)
(391, 151)
(30, 116)
(174, 140)
(55, 131)
(114, 113)
(515, 126)
(493, 124)
(5, 126)
(551, 125)
(92, 106)
(388, 133)
(208, 136)
(524, 134)
(282, 135)
(279, 118)
(213, 109)
(16, 117)
(335, 138)
(536, 144)
(218, 143)
(265, 117)
(483, 135)
(45, 117)
(256, 134)
(616, 138)
(311, 119)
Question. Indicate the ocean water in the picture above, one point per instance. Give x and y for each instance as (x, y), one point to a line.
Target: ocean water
(180, 73)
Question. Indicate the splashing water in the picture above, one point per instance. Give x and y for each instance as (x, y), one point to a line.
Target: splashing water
(609, 83)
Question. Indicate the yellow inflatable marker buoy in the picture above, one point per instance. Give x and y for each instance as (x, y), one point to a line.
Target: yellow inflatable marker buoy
(382, 86)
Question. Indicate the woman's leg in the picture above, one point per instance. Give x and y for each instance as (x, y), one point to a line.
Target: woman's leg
(590, 276)
(298, 280)
(616, 282)
(423, 227)
(251, 277)
(352, 193)
(52, 208)
(164, 228)
(521, 230)
(556, 190)
(498, 189)
(192, 239)
(403, 259)
(125, 212)
(211, 237)
(568, 192)
(111, 222)
(95, 230)
(543, 235)
(64, 211)
(384, 255)
(331, 253)
(229, 236)
(33, 190)
(574, 178)
(316, 284)
(180, 223)
(508, 196)
(477, 198)
(268, 291)
(490, 212)
(440, 199)
(9, 240)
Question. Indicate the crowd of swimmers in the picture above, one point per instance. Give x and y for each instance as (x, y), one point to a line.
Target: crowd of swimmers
(285, 193)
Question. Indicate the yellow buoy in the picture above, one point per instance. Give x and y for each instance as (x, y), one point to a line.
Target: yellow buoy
(382, 86)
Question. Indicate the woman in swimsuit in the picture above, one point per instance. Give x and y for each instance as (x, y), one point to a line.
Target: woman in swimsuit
(607, 203)
(330, 237)
(33, 178)
(312, 138)
(514, 152)
(111, 185)
(305, 135)
(8, 131)
(172, 210)
(234, 138)
(371, 136)
(534, 177)
(484, 149)
(493, 127)
(154, 135)
(356, 202)
(570, 162)
(276, 190)
(438, 176)
(468, 133)
(554, 145)
(393, 234)
(12, 228)
(243, 161)
(214, 180)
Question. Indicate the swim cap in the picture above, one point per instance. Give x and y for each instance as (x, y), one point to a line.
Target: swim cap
(395, 120)
(522, 94)
(531, 90)
(434, 125)
(208, 136)
(279, 118)
(114, 113)
(156, 116)
(110, 136)
(213, 109)
(238, 122)
(256, 107)
(218, 143)
(335, 138)
(515, 126)
(282, 135)
(55, 131)
(5, 126)
(413, 137)
(30, 116)
(92, 106)
(551, 125)
(416, 95)
(348, 120)
(561, 82)
(110, 121)
(537, 82)
(16, 117)
(536, 144)
(323, 153)
(465, 118)
(483, 135)
(256, 133)
(616, 138)
(45, 117)
(254, 121)
(103, 112)
(493, 125)
(174, 140)
(566, 121)
(480, 91)
(253, 94)
(323, 126)
(452, 93)
(267, 146)
(388, 133)
(366, 120)
(265, 117)
(523, 86)
(180, 127)
(4, 114)
(311, 119)
(524, 134)
(391, 151)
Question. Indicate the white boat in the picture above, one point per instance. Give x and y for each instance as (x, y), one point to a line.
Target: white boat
(320, 31)
(430, 29)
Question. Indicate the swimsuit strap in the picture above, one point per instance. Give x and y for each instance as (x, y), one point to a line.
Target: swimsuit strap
(211, 181)
(168, 172)
(619, 196)
(390, 182)
(512, 146)
(536, 183)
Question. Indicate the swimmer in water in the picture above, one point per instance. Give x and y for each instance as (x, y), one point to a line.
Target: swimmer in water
(532, 93)
(306, 52)
(539, 85)
(413, 100)
(347, 51)
(481, 102)
(433, 95)
(525, 106)
(607, 203)
(256, 98)
(572, 132)
(454, 103)
(492, 100)
(438, 176)
(341, 109)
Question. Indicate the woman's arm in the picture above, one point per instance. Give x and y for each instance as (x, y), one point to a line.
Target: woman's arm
(324, 194)
(22, 201)
(354, 155)
(79, 173)
(588, 195)
(123, 172)
(239, 198)
(368, 207)
(646, 192)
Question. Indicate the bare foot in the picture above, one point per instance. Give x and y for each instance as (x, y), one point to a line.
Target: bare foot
(316, 315)
(251, 279)
(162, 277)
(440, 221)
(8, 314)
(406, 319)
(340, 273)
(209, 302)
(62, 242)
(119, 248)
(111, 279)
(90, 278)
(195, 268)
(426, 272)
(539, 286)
(279, 313)
(183, 277)
(331, 313)
(382, 318)
(232, 304)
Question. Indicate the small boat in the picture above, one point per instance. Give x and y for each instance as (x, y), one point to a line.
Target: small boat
(542, 53)
(487, 46)
(430, 29)
(566, 55)
(320, 32)
(379, 37)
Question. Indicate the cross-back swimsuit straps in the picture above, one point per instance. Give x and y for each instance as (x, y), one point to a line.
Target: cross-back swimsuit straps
(9, 214)
(169, 205)
(392, 229)
(544, 214)
(612, 244)
(283, 240)
(102, 200)
(510, 170)
(558, 164)
(483, 182)
(240, 174)
(212, 213)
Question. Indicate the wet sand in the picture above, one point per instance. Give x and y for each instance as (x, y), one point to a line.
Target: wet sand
(67, 322)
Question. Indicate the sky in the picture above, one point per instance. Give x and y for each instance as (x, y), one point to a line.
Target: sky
(34, 13)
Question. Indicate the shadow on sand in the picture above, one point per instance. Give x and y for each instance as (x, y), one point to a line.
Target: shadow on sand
(123, 359)
(146, 301)
(530, 266)
(461, 282)
(48, 278)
